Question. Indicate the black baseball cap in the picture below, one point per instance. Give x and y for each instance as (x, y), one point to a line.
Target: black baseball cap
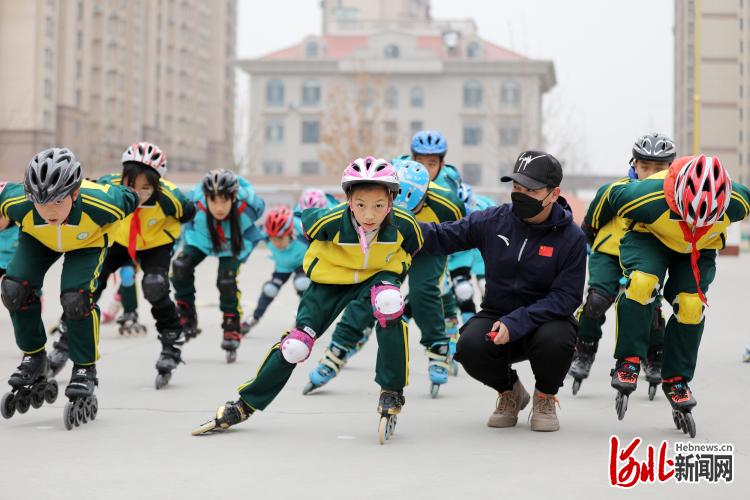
(535, 170)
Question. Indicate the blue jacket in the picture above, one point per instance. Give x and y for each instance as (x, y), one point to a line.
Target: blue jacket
(290, 259)
(8, 244)
(535, 272)
(196, 232)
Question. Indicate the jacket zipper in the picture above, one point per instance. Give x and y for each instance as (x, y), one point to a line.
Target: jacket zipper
(520, 252)
(59, 238)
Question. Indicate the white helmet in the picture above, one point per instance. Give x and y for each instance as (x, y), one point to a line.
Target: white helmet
(370, 170)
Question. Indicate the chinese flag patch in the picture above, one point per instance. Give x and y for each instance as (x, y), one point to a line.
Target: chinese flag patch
(546, 251)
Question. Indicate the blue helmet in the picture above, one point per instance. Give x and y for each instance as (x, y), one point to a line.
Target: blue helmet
(466, 194)
(429, 142)
(414, 180)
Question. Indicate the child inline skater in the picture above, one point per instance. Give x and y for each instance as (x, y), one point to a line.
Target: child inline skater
(358, 253)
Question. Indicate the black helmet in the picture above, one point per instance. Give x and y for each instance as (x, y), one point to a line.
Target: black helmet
(52, 175)
(654, 147)
(220, 182)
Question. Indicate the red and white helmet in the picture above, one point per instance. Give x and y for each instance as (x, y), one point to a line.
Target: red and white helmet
(370, 170)
(312, 198)
(702, 191)
(147, 154)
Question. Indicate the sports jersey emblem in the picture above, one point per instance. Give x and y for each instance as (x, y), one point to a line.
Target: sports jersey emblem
(152, 222)
(82, 236)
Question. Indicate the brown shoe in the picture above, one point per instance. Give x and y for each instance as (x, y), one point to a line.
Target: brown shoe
(543, 413)
(509, 403)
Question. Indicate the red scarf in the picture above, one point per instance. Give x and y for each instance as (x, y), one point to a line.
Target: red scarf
(135, 231)
(691, 235)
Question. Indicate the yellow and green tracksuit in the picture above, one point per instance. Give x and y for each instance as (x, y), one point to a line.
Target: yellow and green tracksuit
(653, 248)
(342, 274)
(425, 281)
(604, 264)
(84, 239)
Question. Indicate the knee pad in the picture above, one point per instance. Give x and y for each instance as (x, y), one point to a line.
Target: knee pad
(182, 267)
(688, 308)
(387, 303)
(155, 287)
(16, 294)
(297, 345)
(596, 304)
(271, 288)
(463, 289)
(226, 282)
(127, 276)
(301, 283)
(642, 287)
(76, 304)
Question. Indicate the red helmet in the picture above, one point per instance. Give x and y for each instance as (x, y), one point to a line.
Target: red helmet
(147, 154)
(702, 191)
(279, 222)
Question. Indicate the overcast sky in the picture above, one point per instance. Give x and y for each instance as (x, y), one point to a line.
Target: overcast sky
(613, 61)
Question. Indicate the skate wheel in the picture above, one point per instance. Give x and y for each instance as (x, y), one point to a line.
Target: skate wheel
(162, 379)
(51, 391)
(37, 399)
(688, 424)
(23, 403)
(453, 368)
(83, 411)
(69, 415)
(383, 433)
(621, 405)
(309, 387)
(231, 356)
(677, 419)
(94, 407)
(434, 389)
(204, 428)
(651, 392)
(576, 386)
(8, 405)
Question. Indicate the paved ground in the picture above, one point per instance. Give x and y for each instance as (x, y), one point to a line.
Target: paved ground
(325, 445)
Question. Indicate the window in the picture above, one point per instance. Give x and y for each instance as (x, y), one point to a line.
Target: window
(366, 95)
(47, 120)
(472, 50)
(311, 49)
(80, 10)
(416, 97)
(391, 132)
(472, 94)
(416, 126)
(309, 168)
(47, 88)
(391, 97)
(48, 58)
(310, 131)
(275, 93)
(273, 168)
(472, 134)
(49, 26)
(79, 70)
(78, 97)
(391, 51)
(310, 93)
(79, 40)
(509, 136)
(472, 173)
(505, 168)
(511, 93)
(275, 132)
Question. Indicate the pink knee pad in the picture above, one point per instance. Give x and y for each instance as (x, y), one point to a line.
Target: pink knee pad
(387, 303)
(297, 345)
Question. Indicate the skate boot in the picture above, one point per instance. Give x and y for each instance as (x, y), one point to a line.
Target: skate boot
(625, 381)
(652, 370)
(746, 355)
(227, 415)
(389, 406)
(333, 360)
(110, 313)
(583, 358)
(248, 325)
(59, 355)
(681, 398)
(127, 324)
(188, 320)
(170, 356)
(451, 329)
(509, 405)
(232, 336)
(438, 366)
(82, 405)
(30, 386)
(366, 333)
(59, 328)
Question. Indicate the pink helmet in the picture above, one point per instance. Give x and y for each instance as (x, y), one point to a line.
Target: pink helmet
(312, 198)
(147, 154)
(370, 170)
(702, 191)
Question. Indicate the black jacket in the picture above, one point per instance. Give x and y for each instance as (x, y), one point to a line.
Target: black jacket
(535, 272)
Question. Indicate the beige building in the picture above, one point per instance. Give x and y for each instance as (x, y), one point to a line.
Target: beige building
(97, 75)
(712, 64)
(380, 71)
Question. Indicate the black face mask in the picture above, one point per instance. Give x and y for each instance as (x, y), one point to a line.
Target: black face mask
(526, 207)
